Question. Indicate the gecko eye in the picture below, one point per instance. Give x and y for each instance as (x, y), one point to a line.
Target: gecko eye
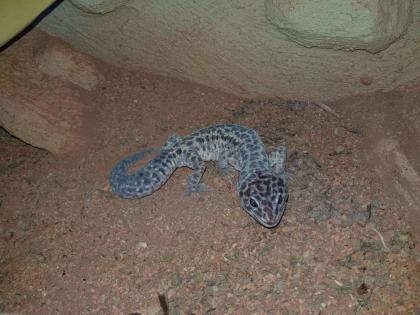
(253, 203)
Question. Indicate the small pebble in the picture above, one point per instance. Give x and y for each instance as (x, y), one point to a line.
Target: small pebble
(339, 131)
(339, 149)
(141, 245)
(279, 285)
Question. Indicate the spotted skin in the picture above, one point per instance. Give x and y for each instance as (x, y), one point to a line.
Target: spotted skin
(261, 187)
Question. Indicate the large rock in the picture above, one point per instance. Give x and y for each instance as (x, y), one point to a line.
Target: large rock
(233, 46)
(61, 61)
(44, 111)
(38, 119)
(391, 144)
(371, 25)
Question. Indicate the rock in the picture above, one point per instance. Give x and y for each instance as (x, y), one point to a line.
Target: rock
(44, 119)
(42, 111)
(339, 149)
(141, 245)
(232, 45)
(350, 25)
(60, 60)
(98, 6)
(391, 136)
(279, 286)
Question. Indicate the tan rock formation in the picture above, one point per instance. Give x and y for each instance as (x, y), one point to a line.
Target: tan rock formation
(42, 110)
(255, 48)
(63, 62)
(371, 25)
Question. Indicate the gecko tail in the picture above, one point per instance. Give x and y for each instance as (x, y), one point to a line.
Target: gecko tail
(120, 168)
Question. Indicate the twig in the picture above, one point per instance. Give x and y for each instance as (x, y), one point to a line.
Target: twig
(163, 304)
(381, 237)
(327, 109)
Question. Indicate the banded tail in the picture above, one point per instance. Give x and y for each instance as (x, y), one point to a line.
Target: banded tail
(129, 185)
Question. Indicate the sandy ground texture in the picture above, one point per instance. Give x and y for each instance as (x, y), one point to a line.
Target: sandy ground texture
(68, 246)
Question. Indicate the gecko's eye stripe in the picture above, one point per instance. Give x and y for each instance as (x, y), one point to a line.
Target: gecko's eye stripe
(232, 146)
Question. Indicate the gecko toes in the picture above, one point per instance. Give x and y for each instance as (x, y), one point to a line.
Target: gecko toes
(197, 189)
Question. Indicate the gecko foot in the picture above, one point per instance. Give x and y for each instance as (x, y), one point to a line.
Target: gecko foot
(197, 189)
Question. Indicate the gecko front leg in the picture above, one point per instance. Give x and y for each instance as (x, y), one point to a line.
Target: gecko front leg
(194, 184)
(278, 159)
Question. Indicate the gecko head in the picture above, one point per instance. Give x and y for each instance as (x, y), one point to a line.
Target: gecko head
(264, 196)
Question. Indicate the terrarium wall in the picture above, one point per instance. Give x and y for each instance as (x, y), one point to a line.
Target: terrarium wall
(300, 49)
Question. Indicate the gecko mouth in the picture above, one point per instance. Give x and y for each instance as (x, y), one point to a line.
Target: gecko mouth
(266, 222)
(271, 222)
